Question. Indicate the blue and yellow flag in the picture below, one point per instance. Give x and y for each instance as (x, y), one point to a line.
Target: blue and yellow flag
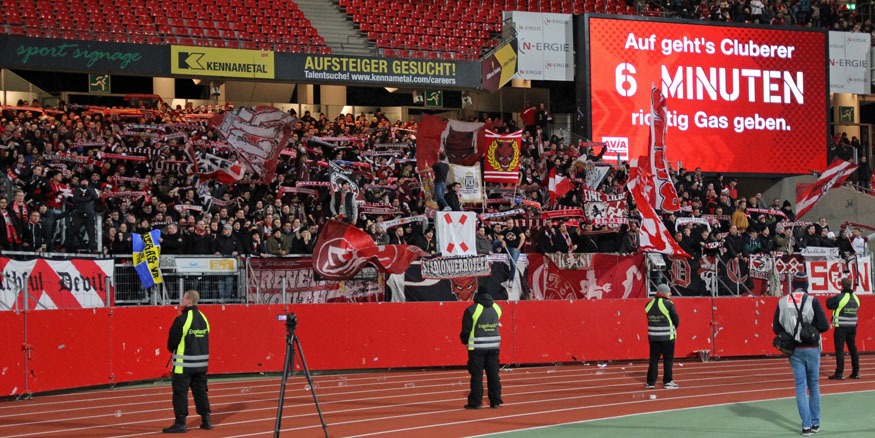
(147, 249)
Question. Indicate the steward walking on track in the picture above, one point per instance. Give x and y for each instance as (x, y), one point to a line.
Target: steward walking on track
(481, 335)
(189, 343)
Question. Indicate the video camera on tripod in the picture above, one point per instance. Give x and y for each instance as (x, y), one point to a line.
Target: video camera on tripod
(292, 341)
(291, 321)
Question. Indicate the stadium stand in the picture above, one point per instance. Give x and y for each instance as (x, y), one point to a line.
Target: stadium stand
(247, 24)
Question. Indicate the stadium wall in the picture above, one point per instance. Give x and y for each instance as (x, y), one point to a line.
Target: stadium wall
(60, 349)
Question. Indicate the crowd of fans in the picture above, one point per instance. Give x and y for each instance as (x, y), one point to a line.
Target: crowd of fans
(828, 14)
(63, 169)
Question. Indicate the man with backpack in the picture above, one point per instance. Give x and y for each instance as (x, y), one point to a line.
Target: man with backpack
(802, 316)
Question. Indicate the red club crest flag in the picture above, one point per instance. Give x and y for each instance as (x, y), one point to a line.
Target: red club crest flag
(501, 163)
(456, 233)
(343, 250)
(836, 174)
(665, 193)
(654, 236)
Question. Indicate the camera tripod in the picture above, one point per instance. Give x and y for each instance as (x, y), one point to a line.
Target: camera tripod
(293, 342)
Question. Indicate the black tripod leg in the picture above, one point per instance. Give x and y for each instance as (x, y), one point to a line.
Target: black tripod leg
(290, 359)
(312, 386)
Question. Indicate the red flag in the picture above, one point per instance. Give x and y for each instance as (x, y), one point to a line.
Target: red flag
(558, 185)
(502, 161)
(654, 236)
(666, 197)
(428, 142)
(343, 250)
(836, 174)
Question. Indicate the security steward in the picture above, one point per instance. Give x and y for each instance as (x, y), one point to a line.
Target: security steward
(481, 335)
(662, 323)
(189, 344)
(845, 306)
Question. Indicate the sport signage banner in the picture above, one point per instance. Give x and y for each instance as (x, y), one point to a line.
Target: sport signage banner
(54, 284)
(499, 67)
(361, 70)
(546, 51)
(226, 63)
(757, 97)
(849, 62)
(82, 56)
(203, 265)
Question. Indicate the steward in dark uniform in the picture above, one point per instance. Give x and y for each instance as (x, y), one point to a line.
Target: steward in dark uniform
(662, 323)
(481, 335)
(189, 343)
(845, 307)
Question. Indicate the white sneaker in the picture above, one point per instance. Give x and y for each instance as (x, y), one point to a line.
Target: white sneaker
(671, 385)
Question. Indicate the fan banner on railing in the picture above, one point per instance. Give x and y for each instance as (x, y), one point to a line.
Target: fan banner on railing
(456, 233)
(470, 182)
(454, 267)
(607, 276)
(269, 276)
(256, 135)
(54, 284)
(501, 162)
(824, 276)
(343, 250)
(146, 254)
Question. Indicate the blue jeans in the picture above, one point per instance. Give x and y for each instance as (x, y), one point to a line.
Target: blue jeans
(514, 256)
(805, 363)
(440, 189)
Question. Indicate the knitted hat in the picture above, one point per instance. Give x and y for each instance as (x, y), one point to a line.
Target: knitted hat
(800, 281)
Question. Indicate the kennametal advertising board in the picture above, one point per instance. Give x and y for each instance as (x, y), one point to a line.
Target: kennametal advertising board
(262, 65)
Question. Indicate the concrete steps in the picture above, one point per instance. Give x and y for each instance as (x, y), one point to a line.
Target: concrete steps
(336, 27)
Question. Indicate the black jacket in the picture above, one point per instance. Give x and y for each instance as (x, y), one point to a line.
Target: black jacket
(173, 243)
(226, 245)
(483, 299)
(83, 200)
(195, 244)
(197, 341)
(453, 200)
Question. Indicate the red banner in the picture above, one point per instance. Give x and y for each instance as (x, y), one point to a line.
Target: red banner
(606, 276)
(54, 284)
(501, 163)
(343, 250)
(271, 275)
(755, 96)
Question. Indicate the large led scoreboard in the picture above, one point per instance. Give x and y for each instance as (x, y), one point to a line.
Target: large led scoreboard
(740, 99)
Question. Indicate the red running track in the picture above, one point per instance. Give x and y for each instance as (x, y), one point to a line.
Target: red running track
(415, 403)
